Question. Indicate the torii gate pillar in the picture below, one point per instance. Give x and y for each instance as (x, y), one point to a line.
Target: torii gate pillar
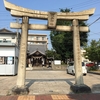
(79, 86)
(20, 87)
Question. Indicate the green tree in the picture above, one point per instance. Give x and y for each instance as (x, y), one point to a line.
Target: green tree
(62, 42)
(53, 54)
(93, 51)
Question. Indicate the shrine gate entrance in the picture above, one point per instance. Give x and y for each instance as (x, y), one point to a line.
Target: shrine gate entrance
(52, 17)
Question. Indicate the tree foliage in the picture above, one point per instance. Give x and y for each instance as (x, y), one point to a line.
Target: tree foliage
(93, 51)
(62, 42)
(53, 54)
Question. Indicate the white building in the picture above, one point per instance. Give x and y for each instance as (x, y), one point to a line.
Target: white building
(9, 52)
(37, 39)
(83, 56)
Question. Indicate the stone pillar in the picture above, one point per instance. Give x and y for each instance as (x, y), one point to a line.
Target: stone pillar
(21, 88)
(77, 54)
(79, 85)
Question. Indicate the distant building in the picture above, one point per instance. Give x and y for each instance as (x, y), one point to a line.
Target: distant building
(9, 51)
(83, 56)
(37, 45)
(37, 39)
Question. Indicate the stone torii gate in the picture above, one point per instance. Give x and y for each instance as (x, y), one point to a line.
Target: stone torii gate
(52, 17)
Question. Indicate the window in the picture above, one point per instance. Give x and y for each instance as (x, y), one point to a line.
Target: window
(32, 38)
(7, 60)
(71, 64)
(10, 60)
(83, 64)
(13, 37)
(43, 43)
(37, 38)
(9, 41)
(1, 60)
(42, 38)
(0, 40)
(4, 40)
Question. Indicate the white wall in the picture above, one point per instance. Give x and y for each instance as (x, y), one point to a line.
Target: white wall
(83, 57)
(8, 37)
(7, 51)
(6, 69)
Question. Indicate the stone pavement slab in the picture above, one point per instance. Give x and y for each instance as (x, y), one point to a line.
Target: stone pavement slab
(48, 82)
(90, 96)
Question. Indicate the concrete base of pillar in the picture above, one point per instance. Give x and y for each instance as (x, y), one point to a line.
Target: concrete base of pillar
(20, 91)
(80, 89)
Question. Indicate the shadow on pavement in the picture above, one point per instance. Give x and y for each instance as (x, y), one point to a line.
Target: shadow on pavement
(31, 81)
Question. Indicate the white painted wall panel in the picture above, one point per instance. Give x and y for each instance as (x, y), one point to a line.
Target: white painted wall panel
(7, 70)
(8, 37)
(7, 51)
(2, 69)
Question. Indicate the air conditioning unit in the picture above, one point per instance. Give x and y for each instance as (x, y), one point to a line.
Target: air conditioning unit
(13, 37)
(4, 40)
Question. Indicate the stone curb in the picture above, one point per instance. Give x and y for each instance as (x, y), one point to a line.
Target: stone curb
(94, 72)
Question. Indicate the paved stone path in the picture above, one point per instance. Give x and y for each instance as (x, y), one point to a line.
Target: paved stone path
(48, 83)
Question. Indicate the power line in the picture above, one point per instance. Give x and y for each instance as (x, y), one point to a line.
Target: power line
(83, 4)
(95, 34)
(94, 21)
(86, 5)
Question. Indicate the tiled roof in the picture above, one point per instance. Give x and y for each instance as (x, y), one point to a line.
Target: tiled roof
(40, 48)
(4, 30)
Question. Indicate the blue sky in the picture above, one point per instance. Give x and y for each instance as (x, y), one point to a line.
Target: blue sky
(53, 5)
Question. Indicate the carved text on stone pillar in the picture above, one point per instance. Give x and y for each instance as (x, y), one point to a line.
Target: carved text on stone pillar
(78, 51)
(22, 55)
